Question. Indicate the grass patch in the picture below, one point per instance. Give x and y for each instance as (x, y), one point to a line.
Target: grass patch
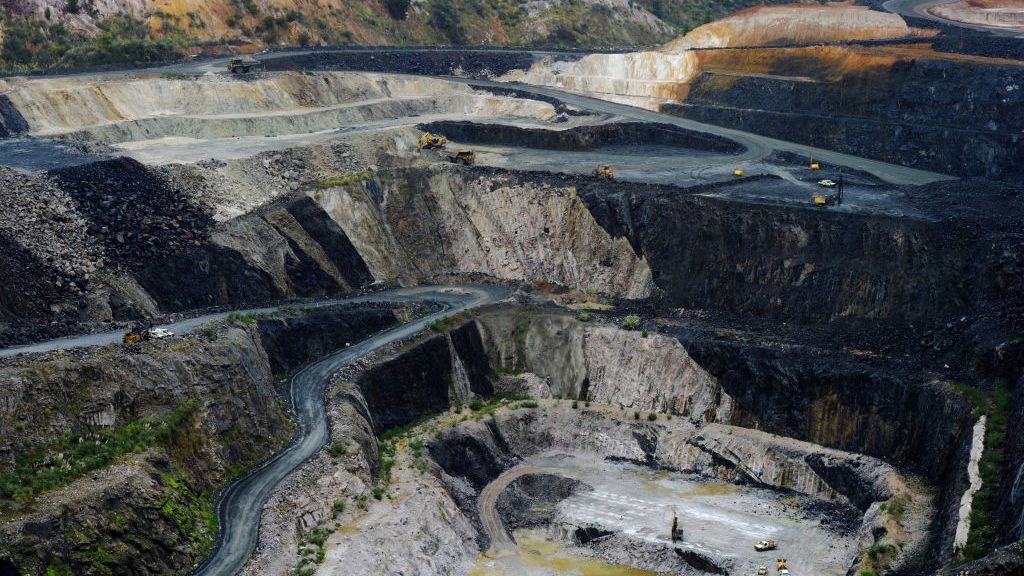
(242, 319)
(631, 322)
(60, 461)
(444, 324)
(343, 180)
(190, 511)
(996, 407)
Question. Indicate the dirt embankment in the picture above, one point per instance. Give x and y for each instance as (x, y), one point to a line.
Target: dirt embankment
(439, 62)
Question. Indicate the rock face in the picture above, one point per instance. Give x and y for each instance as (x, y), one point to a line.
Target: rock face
(773, 261)
(418, 224)
(424, 380)
(152, 512)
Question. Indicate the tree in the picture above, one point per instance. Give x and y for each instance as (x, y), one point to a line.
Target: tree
(444, 15)
(73, 7)
(398, 9)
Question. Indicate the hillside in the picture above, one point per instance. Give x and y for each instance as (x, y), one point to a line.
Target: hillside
(44, 34)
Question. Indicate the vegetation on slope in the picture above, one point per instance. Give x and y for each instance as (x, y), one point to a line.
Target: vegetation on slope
(685, 15)
(70, 456)
(996, 407)
(37, 44)
(60, 39)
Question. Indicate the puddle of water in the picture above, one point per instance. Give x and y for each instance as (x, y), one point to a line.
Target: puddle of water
(537, 554)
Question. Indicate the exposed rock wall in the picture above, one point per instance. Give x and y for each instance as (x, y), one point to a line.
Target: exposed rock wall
(313, 333)
(417, 224)
(653, 372)
(833, 402)
(778, 262)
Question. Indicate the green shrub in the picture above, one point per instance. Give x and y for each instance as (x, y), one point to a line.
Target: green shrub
(417, 447)
(584, 316)
(445, 16)
(337, 509)
(337, 449)
(240, 318)
(652, 417)
(443, 324)
(575, 404)
(528, 404)
(476, 405)
(378, 493)
(631, 322)
(74, 7)
(636, 415)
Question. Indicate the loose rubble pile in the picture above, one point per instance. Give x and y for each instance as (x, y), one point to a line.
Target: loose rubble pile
(136, 215)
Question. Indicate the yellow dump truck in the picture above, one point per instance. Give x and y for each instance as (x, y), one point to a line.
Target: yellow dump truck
(242, 65)
(464, 157)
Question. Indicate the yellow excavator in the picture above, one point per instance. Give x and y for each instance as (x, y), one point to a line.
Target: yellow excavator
(137, 333)
(431, 141)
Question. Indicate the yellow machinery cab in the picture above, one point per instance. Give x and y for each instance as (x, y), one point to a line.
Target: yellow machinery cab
(737, 172)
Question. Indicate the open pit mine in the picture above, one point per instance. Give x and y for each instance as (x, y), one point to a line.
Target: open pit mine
(749, 302)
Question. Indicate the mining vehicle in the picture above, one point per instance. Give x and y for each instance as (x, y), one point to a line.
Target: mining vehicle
(242, 65)
(605, 171)
(762, 571)
(737, 172)
(765, 545)
(159, 333)
(137, 333)
(466, 157)
(822, 200)
(431, 141)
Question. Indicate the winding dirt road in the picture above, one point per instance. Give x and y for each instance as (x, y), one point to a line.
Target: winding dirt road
(240, 505)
